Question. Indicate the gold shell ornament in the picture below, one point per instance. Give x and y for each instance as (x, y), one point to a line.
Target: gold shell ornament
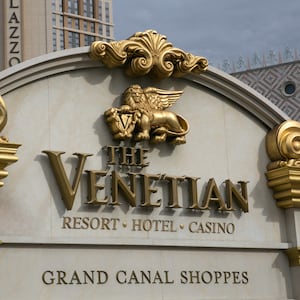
(147, 53)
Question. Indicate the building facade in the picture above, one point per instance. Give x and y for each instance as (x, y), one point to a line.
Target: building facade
(30, 28)
(279, 83)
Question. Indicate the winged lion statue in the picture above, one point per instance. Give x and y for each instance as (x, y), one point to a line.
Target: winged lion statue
(143, 116)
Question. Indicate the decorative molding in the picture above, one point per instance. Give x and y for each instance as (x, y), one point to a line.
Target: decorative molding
(148, 53)
(294, 256)
(77, 59)
(283, 148)
(7, 150)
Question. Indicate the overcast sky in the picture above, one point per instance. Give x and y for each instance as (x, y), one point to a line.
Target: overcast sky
(216, 29)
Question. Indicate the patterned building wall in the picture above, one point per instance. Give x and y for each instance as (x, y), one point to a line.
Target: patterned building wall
(279, 83)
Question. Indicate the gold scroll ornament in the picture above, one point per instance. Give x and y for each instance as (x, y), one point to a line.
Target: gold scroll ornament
(7, 150)
(143, 116)
(148, 53)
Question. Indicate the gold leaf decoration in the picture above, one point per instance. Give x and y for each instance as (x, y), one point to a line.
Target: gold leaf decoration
(148, 53)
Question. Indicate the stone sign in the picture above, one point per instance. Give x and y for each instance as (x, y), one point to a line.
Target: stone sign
(140, 172)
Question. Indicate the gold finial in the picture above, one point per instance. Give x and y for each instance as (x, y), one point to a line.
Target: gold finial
(148, 53)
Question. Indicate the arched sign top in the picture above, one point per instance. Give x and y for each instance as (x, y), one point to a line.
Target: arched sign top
(181, 164)
(78, 58)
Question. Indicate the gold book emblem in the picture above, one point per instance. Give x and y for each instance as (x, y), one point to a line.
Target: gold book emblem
(143, 116)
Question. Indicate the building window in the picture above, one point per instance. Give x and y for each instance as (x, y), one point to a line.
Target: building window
(88, 8)
(73, 38)
(100, 10)
(88, 39)
(73, 7)
(107, 13)
(289, 88)
(78, 23)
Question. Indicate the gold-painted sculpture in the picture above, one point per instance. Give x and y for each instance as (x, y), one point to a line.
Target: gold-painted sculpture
(283, 144)
(7, 150)
(283, 147)
(148, 53)
(143, 116)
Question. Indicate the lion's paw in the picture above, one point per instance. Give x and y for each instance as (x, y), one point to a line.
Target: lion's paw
(179, 140)
(142, 136)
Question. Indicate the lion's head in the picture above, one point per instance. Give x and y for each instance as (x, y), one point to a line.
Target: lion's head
(135, 97)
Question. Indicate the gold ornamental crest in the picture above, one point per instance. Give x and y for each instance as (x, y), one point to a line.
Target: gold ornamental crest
(148, 53)
(143, 116)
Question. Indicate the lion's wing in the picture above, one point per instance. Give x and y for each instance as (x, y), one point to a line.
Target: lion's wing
(161, 99)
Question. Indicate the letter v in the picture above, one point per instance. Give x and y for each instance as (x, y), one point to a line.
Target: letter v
(67, 192)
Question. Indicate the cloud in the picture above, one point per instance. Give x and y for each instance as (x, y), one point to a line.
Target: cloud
(213, 28)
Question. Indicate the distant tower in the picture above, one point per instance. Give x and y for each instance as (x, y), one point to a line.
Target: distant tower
(29, 28)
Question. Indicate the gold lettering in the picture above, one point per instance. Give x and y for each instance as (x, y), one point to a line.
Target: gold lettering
(153, 225)
(66, 223)
(147, 190)
(212, 193)
(67, 192)
(136, 224)
(111, 151)
(118, 183)
(93, 187)
(173, 190)
(165, 225)
(141, 157)
(94, 223)
(127, 156)
(193, 192)
(241, 199)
